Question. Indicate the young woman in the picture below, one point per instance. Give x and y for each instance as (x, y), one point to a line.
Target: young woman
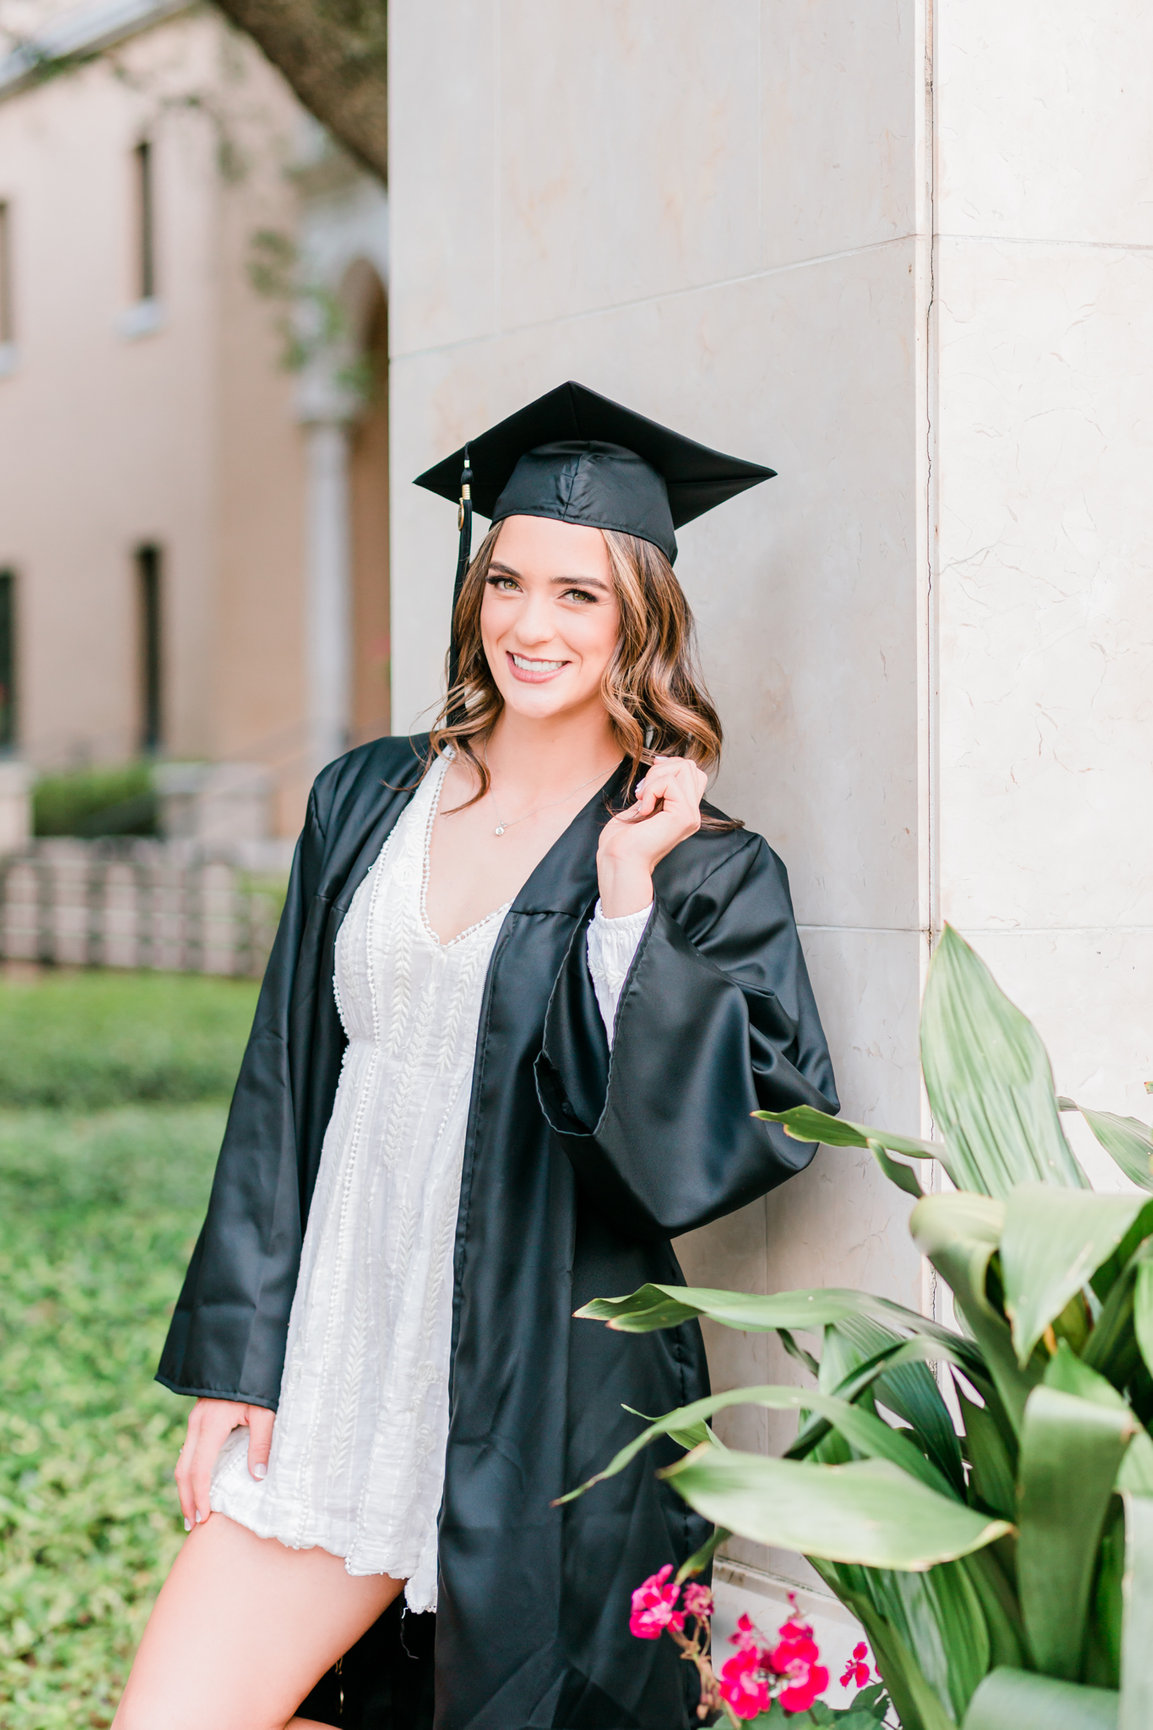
(526, 991)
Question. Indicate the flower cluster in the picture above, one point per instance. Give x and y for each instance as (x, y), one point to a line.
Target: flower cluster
(787, 1670)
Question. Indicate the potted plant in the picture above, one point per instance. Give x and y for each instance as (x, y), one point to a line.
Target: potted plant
(980, 1497)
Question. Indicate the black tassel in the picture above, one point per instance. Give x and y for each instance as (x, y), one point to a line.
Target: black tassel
(463, 560)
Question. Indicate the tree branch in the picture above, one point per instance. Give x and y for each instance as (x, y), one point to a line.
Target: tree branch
(334, 54)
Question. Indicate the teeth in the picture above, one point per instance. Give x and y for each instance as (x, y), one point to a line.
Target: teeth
(528, 666)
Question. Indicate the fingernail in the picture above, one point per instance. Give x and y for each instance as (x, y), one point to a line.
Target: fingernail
(199, 1516)
(260, 1471)
(188, 1525)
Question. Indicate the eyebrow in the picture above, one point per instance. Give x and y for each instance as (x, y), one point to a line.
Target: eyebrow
(567, 582)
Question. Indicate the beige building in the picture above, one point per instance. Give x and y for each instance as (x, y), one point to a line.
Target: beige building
(192, 534)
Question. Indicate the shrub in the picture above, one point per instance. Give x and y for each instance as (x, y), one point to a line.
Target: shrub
(997, 1543)
(99, 801)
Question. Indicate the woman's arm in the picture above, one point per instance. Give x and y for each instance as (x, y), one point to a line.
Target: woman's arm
(227, 1336)
(717, 1019)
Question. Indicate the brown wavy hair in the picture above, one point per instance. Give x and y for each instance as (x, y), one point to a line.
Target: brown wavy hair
(652, 687)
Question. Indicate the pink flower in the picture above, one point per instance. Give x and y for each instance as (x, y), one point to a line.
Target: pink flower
(799, 1695)
(655, 1606)
(857, 1670)
(747, 1638)
(743, 1687)
(698, 1600)
(797, 1658)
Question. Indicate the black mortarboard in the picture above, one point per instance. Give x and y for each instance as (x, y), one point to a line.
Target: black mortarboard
(580, 458)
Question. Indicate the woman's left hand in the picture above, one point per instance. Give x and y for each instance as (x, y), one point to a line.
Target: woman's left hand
(667, 809)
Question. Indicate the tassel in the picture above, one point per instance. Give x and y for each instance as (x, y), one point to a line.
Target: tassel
(463, 559)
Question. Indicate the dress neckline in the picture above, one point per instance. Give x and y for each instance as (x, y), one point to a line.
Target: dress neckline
(440, 771)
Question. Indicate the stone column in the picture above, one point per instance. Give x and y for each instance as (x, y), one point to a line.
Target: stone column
(328, 589)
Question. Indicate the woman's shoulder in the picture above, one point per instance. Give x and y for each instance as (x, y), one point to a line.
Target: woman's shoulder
(397, 761)
(721, 858)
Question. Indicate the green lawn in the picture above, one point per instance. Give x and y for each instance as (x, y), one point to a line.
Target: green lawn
(113, 1091)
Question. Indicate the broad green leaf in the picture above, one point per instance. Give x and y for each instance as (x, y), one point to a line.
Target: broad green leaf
(916, 1702)
(805, 1123)
(1053, 1241)
(1127, 1141)
(1143, 1312)
(960, 1234)
(861, 1429)
(1015, 1700)
(1137, 1635)
(897, 1171)
(990, 1461)
(664, 1306)
(988, 1080)
(868, 1512)
(1072, 1375)
(908, 1388)
(998, 1596)
(1071, 1449)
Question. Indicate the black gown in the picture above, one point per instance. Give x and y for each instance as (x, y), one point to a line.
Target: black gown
(578, 1169)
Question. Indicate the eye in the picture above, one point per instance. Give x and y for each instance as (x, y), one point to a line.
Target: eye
(583, 597)
(504, 585)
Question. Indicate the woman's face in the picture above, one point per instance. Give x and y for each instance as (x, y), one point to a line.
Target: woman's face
(550, 619)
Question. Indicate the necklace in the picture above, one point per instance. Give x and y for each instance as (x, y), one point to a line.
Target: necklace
(504, 823)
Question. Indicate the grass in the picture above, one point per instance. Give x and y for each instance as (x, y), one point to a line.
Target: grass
(98, 1211)
(86, 1040)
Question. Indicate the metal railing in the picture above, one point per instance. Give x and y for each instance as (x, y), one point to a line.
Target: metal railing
(146, 904)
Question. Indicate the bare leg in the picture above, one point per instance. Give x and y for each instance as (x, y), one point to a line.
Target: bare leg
(242, 1630)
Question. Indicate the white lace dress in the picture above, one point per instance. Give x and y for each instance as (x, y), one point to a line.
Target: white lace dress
(357, 1462)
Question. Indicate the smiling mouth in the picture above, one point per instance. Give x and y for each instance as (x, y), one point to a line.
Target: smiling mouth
(533, 671)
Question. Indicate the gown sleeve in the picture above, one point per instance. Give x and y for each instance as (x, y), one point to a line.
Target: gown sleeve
(227, 1335)
(716, 1019)
(612, 944)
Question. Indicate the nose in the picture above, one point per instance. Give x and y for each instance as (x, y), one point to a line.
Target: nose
(535, 625)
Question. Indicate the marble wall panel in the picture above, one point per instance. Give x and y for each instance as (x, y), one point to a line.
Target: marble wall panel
(804, 588)
(840, 86)
(1044, 120)
(443, 187)
(1045, 446)
(628, 154)
(839, 1222)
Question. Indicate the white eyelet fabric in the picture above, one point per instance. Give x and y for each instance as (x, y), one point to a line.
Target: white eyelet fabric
(357, 1462)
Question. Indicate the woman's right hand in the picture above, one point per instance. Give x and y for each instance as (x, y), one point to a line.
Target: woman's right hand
(210, 1422)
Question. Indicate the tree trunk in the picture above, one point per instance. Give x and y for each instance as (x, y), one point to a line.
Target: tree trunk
(334, 54)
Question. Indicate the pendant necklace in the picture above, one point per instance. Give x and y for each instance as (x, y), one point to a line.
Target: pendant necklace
(504, 823)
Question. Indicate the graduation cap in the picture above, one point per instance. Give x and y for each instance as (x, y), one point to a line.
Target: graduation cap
(578, 457)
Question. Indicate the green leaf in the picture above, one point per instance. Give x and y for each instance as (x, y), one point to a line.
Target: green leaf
(1053, 1241)
(988, 1080)
(1071, 1449)
(1137, 1635)
(907, 1387)
(1127, 1141)
(915, 1701)
(664, 1306)
(1143, 1312)
(897, 1171)
(805, 1123)
(960, 1234)
(861, 1429)
(868, 1512)
(1015, 1700)
(993, 1481)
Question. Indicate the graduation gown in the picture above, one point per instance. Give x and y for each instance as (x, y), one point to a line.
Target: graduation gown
(578, 1169)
